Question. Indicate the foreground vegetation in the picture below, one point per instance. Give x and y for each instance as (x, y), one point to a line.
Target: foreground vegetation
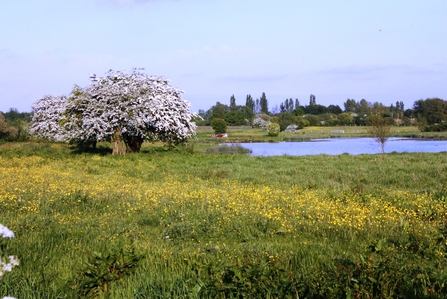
(189, 224)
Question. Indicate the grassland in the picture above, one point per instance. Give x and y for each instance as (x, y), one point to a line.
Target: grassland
(182, 223)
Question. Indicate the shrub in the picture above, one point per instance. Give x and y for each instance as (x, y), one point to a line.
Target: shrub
(258, 122)
(103, 269)
(286, 119)
(236, 118)
(435, 128)
(380, 129)
(7, 132)
(314, 120)
(273, 129)
(219, 125)
(291, 128)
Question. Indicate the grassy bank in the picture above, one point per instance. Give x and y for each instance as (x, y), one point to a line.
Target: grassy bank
(187, 224)
(247, 134)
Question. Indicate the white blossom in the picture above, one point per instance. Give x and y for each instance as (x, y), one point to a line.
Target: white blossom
(6, 232)
(6, 264)
(47, 116)
(291, 128)
(259, 122)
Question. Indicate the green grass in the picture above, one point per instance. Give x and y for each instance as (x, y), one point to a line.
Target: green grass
(185, 223)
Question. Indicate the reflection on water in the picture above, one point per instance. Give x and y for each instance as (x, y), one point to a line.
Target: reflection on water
(338, 146)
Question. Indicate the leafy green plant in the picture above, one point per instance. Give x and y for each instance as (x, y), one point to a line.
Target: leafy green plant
(273, 129)
(219, 125)
(102, 269)
(254, 275)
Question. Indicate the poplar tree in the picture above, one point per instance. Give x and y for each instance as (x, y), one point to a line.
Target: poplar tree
(232, 103)
(312, 100)
(264, 104)
(250, 103)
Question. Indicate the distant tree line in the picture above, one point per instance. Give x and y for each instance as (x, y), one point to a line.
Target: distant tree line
(14, 126)
(429, 114)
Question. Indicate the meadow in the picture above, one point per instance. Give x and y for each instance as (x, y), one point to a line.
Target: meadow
(184, 223)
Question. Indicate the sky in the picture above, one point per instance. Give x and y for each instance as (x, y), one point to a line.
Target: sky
(378, 50)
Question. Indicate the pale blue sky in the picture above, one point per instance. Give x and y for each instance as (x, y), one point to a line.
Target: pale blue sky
(378, 50)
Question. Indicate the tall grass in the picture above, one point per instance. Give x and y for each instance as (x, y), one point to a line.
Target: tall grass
(187, 224)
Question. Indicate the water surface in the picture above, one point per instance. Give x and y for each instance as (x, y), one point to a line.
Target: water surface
(338, 146)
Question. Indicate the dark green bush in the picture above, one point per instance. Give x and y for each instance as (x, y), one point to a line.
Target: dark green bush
(442, 127)
(219, 125)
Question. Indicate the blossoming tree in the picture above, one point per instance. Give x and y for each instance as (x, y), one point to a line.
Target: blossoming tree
(125, 109)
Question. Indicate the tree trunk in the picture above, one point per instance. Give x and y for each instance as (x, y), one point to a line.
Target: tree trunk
(133, 143)
(119, 147)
